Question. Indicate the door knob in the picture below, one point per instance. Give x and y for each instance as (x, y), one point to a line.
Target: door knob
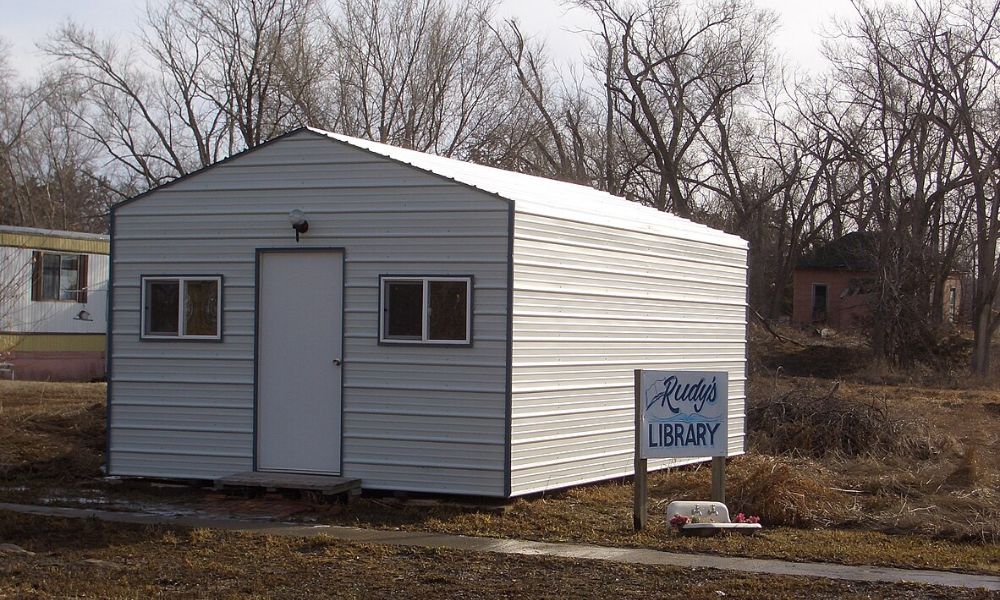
(337, 362)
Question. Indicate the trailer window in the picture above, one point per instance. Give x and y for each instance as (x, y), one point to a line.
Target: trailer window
(58, 277)
(182, 307)
(425, 310)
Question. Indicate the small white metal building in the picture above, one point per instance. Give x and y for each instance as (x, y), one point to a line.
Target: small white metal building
(53, 303)
(438, 326)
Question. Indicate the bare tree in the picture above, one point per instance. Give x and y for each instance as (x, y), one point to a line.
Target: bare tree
(888, 169)
(424, 74)
(772, 175)
(682, 108)
(565, 141)
(49, 173)
(923, 133)
(261, 59)
(14, 277)
(210, 78)
(680, 65)
(962, 40)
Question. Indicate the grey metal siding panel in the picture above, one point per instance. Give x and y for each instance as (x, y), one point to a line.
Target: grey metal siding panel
(415, 418)
(592, 303)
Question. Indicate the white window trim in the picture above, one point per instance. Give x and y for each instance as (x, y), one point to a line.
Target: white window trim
(424, 312)
(180, 280)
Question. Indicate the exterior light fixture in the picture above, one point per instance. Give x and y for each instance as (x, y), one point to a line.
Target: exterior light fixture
(83, 315)
(298, 220)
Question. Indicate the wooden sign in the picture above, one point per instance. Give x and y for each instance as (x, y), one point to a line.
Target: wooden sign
(680, 414)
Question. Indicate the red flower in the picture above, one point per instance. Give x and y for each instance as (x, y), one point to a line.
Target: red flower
(679, 521)
(741, 518)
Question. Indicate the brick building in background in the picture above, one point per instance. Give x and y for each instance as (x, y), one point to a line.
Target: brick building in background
(834, 284)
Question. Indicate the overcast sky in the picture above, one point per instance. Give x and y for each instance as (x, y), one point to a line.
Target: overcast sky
(27, 21)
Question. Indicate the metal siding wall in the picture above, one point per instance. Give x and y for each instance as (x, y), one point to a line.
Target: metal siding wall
(592, 303)
(25, 316)
(415, 418)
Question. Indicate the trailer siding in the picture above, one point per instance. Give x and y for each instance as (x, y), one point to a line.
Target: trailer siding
(22, 315)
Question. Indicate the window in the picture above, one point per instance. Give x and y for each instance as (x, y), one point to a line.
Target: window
(182, 307)
(426, 310)
(58, 277)
(857, 287)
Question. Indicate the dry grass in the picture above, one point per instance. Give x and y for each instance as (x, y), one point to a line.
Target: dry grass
(916, 458)
(939, 512)
(50, 433)
(601, 514)
(94, 559)
(970, 472)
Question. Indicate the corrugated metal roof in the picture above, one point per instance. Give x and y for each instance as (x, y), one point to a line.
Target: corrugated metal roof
(548, 197)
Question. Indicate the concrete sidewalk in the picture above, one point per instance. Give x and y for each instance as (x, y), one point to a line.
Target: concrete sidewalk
(563, 550)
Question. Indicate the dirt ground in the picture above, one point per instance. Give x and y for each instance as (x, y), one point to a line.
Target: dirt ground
(73, 558)
(925, 495)
(51, 434)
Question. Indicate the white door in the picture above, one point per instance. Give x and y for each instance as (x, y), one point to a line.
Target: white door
(300, 307)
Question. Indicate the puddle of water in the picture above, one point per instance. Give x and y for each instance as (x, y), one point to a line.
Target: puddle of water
(101, 501)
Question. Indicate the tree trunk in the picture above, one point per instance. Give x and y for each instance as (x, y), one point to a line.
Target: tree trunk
(981, 355)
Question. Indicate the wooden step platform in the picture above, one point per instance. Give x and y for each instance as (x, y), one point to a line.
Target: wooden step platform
(325, 484)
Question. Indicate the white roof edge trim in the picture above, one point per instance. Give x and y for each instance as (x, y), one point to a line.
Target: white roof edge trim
(549, 197)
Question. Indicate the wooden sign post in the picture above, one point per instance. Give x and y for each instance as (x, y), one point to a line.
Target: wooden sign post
(640, 495)
(719, 479)
(679, 414)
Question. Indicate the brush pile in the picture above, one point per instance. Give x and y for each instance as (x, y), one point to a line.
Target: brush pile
(819, 421)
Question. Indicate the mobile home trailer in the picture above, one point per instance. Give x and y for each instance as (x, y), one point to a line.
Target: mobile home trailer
(53, 287)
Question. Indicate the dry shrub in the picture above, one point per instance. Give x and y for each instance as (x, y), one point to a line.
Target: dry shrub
(799, 353)
(970, 471)
(201, 535)
(816, 422)
(951, 354)
(780, 492)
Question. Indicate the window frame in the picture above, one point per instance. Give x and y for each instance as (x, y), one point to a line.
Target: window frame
(37, 291)
(426, 280)
(144, 334)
